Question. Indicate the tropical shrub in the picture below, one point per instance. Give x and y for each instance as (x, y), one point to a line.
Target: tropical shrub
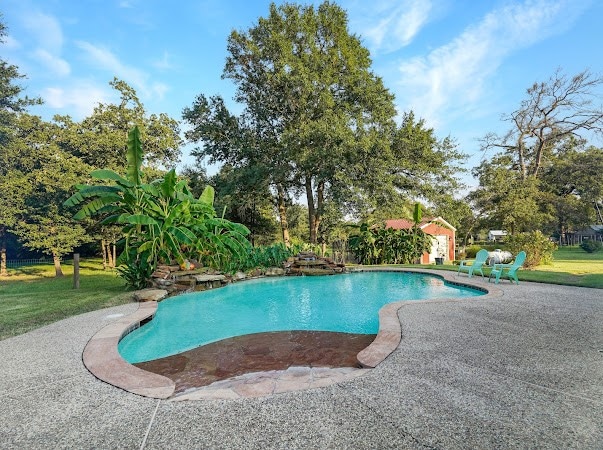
(380, 245)
(539, 248)
(591, 246)
(269, 256)
(136, 273)
(161, 221)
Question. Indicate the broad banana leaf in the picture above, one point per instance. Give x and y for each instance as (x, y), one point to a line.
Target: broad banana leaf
(134, 156)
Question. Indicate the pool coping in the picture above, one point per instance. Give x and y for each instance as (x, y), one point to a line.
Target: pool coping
(102, 359)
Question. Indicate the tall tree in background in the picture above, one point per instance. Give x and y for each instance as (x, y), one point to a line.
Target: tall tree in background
(250, 207)
(416, 165)
(313, 110)
(100, 140)
(12, 104)
(553, 111)
(44, 223)
(574, 183)
(513, 191)
(240, 145)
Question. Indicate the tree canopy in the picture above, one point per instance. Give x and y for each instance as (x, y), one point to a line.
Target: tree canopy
(41, 161)
(316, 119)
(544, 176)
(12, 103)
(100, 139)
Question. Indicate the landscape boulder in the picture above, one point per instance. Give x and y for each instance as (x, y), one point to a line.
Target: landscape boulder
(150, 295)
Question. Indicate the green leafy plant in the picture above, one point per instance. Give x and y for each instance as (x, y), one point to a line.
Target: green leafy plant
(161, 221)
(591, 246)
(270, 256)
(136, 273)
(380, 245)
(538, 247)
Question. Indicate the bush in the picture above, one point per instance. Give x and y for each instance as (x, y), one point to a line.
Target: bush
(269, 256)
(539, 248)
(471, 251)
(591, 246)
(136, 273)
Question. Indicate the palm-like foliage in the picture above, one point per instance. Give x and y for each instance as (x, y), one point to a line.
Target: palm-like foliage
(161, 221)
(379, 245)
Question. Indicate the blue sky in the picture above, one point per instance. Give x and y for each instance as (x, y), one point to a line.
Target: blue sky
(459, 64)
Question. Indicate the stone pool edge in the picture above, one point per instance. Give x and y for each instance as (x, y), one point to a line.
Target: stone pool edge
(389, 335)
(103, 360)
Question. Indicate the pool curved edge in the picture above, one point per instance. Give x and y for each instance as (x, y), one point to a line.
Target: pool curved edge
(390, 330)
(103, 360)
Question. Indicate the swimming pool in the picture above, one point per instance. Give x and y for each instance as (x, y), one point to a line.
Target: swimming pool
(345, 303)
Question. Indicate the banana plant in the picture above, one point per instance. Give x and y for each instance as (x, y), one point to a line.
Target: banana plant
(161, 221)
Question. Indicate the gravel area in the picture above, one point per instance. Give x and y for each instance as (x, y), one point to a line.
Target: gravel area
(523, 370)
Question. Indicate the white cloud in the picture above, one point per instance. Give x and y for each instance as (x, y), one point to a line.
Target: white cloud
(388, 25)
(106, 60)
(56, 65)
(47, 34)
(451, 78)
(46, 29)
(10, 43)
(159, 90)
(81, 97)
(163, 63)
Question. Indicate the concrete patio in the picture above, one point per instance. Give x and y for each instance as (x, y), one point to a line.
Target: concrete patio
(523, 370)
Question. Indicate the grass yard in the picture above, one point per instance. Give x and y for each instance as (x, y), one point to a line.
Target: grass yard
(571, 266)
(31, 297)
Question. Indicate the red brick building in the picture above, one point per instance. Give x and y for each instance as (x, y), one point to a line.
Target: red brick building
(444, 234)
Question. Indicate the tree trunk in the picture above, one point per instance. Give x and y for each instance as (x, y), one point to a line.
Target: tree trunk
(311, 209)
(104, 247)
(320, 192)
(314, 211)
(114, 260)
(3, 271)
(110, 262)
(599, 214)
(57, 265)
(282, 212)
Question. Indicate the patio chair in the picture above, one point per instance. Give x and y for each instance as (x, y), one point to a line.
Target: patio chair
(474, 265)
(508, 270)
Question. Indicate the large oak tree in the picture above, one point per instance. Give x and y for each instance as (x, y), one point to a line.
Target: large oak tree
(313, 109)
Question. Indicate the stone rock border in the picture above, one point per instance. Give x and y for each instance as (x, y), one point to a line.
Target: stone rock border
(103, 360)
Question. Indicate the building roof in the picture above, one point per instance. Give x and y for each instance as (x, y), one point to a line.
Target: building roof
(590, 229)
(405, 224)
(497, 232)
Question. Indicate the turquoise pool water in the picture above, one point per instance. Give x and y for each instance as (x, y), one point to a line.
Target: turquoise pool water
(346, 303)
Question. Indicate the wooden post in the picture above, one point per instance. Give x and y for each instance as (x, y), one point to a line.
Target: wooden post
(76, 271)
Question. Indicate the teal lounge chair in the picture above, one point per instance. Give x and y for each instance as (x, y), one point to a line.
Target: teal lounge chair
(508, 270)
(476, 265)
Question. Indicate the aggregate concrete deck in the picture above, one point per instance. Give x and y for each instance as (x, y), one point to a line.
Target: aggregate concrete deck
(522, 370)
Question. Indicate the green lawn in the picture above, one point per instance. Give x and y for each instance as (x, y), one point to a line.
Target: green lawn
(571, 266)
(31, 297)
